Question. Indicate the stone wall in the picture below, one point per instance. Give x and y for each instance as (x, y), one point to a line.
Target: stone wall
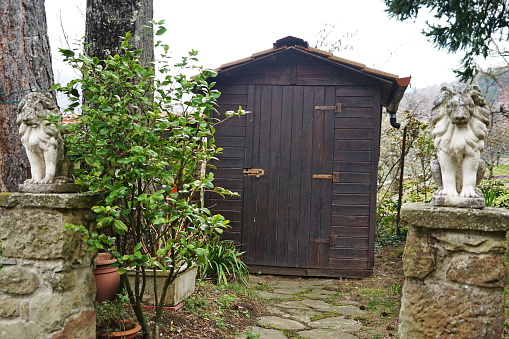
(455, 272)
(47, 289)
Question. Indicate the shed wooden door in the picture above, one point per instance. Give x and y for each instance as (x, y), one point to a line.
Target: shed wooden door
(287, 212)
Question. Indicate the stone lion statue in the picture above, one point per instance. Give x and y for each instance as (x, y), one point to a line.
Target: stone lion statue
(459, 125)
(42, 140)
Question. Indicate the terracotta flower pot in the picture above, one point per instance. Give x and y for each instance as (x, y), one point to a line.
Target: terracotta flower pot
(128, 334)
(107, 279)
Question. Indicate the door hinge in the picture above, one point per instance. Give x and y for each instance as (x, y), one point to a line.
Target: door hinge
(336, 108)
(257, 172)
(334, 176)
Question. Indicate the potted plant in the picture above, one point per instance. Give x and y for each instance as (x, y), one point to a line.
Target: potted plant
(143, 140)
(113, 319)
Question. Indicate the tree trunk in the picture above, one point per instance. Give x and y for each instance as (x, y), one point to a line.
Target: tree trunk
(25, 63)
(107, 22)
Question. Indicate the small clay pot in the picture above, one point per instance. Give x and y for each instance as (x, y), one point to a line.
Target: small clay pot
(129, 334)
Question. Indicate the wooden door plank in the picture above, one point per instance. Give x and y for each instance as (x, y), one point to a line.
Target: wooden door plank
(282, 242)
(317, 160)
(328, 164)
(273, 145)
(261, 222)
(294, 218)
(374, 171)
(306, 175)
(350, 231)
(251, 97)
(250, 182)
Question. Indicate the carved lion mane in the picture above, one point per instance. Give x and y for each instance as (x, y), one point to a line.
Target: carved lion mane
(459, 125)
(42, 140)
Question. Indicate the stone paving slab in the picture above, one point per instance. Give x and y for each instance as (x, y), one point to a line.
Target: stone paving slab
(290, 291)
(280, 323)
(293, 305)
(326, 334)
(274, 310)
(270, 295)
(315, 304)
(337, 323)
(303, 312)
(265, 333)
(344, 310)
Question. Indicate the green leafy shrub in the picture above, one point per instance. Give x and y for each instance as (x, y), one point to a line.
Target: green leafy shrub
(386, 213)
(494, 193)
(223, 263)
(143, 137)
(113, 316)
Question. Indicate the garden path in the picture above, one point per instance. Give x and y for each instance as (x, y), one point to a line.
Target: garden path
(300, 307)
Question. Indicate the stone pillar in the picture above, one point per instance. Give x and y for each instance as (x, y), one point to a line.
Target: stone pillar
(455, 272)
(47, 288)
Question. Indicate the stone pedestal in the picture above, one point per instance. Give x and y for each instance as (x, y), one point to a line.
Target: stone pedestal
(47, 289)
(455, 272)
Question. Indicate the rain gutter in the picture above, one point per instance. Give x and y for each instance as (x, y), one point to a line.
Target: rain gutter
(398, 90)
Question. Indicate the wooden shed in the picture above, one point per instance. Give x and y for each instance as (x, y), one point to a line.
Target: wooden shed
(304, 160)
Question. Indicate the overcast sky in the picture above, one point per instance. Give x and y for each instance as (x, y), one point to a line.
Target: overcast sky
(227, 30)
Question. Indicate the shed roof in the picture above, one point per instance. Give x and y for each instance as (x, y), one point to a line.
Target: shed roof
(393, 87)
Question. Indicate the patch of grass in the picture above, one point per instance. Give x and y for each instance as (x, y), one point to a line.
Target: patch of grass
(325, 315)
(333, 298)
(195, 304)
(292, 334)
(250, 335)
(309, 290)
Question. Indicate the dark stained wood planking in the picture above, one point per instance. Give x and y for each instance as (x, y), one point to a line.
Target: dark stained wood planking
(283, 219)
(354, 134)
(350, 210)
(351, 199)
(362, 156)
(346, 166)
(349, 242)
(353, 145)
(295, 196)
(350, 231)
(351, 123)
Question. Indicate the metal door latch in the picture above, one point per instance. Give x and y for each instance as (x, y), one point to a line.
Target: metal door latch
(257, 172)
(336, 108)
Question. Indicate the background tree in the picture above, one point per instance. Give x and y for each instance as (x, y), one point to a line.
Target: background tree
(477, 27)
(25, 63)
(108, 21)
(326, 39)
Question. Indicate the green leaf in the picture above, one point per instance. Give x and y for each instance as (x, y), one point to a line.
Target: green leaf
(119, 226)
(161, 30)
(67, 52)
